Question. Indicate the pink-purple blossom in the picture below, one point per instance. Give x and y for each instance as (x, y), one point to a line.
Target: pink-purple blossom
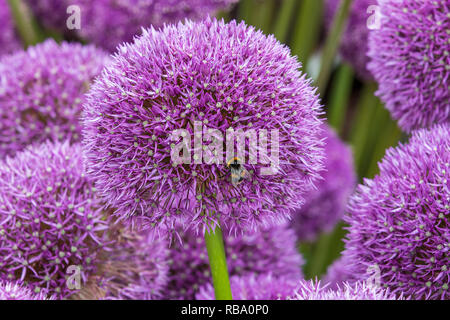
(13, 291)
(218, 75)
(9, 41)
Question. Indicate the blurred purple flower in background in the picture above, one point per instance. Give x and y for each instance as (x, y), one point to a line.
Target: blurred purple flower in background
(340, 271)
(269, 250)
(9, 41)
(13, 291)
(209, 74)
(325, 205)
(41, 93)
(49, 219)
(399, 221)
(107, 23)
(410, 60)
(354, 41)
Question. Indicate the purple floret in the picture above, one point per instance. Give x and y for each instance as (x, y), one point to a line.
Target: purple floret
(49, 218)
(41, 93)
(399, 221)
(107, 23)
(354, 42)
(9, 41)
(219, 75)
(410, 60)
(13, 291)
(326, 204)
(270, 250)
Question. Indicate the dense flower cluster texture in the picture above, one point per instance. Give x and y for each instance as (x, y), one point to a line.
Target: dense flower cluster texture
(135, 267)
(354, 43)
(50, 219)
(9, 41)
(107, 23)
(410, 60)
(270, 250)
(326, 204)
(267, 287)
(41, 93)
(214, 75)
(13, 291)
(399, 221)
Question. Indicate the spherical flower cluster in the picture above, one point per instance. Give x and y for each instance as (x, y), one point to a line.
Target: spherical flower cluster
(134, 268)
(354, 42)
(399, 221)
(107, 23)
(206, 80)
(13, 291)
(9, 42)
(267, 287)
(325, 205)
(410, 60)
(254, 287)
(51, 224)
(314, 290)
(41, 93)
(270, 250)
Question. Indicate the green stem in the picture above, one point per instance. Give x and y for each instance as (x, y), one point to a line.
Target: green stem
(339, 99)
(218, 264)
(25, 24)
(283, 20)
(332, 44)
(307, 29)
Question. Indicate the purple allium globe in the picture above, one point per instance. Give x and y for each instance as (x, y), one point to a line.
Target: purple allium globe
(267, 287)
(220, 76)
(399, 221)
(269, 250)
(49, 218)
(254, 287)
(134, 268)
(410, 60)
(41, 93)
(354, 42)
(107, 23)
(325, 205)
(9, 41)
(13, 291)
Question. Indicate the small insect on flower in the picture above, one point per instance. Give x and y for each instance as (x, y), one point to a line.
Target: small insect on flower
(238, 172)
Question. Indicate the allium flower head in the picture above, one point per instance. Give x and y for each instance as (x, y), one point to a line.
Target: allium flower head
(267, 287)
(134, 268)
(13, 291)
(410, 60)
(49, 219)
(325, 205)
(272, 250)
(354, 42)
(254, 287)
(107, 23)
(9, 41)
(399, 221)
(41, 93)
(179, 79)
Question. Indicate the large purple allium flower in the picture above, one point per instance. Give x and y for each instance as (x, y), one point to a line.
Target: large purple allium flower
(41, 93)
(272, 250)
(9, 41)
(325, 205)
(108, 23)
(254, 287)
(49, 218)
(13, 291)
(399, 221)
(134, 268)
(411, 62)
(354, 42)
(267, 287)
(220, 76)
